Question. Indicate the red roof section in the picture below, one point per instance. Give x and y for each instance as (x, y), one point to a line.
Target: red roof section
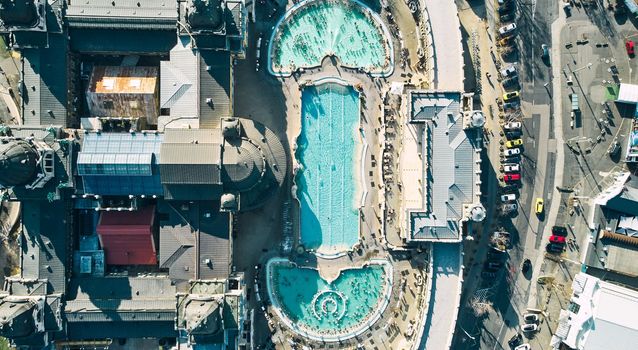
(127, 237)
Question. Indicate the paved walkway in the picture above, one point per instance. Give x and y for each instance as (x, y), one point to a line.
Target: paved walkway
(445, 296)
(448, 48)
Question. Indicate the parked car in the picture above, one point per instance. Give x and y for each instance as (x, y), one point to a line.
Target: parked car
(513, 126)
(614, 149)
(559, 231)
(510, 83)
(488, 274)
(493, 265)
(545, 54)
(508, 197)
(511, 106)
(539, 206)
(512, 159)
(507, 30)
(509, 96)
(509, 207)
(515, 340)
(557, 239)
(514, 143)
(629, 46)
(509, 188)
(554, 248)
(515, 134)
(505, 8)
(530, 318)
(507, 17)
(529, 328)
(511, 152)
(525, 346)
(527, 264)
(511, 177)
(511, 168)
(509, 71)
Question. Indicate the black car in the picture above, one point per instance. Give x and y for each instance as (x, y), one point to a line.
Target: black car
(515, 340)
(512, 159)
(506, 17)
(559, 231)
(614, 149)
(514, 134)
(554, 248)
(509, 189)
(495, 255)
(505, 8)
(510, 83)
(527, 264)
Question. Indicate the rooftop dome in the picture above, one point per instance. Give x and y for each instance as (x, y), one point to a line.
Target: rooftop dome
(18, 163)
(243, 165)
(19, 13)
(231, 128)
(478, 119)
(228, 202)
(205, 15)
(477, 213)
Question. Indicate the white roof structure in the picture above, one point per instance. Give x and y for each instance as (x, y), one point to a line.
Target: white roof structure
(450, 178)
(447, 44)
(601, 316)
(628, 93)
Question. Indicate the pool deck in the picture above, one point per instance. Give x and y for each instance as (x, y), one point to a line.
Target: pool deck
(276, 101)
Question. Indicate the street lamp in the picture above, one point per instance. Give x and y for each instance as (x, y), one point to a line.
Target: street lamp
(583, 67)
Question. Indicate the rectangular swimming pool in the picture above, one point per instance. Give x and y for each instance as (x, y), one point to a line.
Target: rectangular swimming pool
(328, 150)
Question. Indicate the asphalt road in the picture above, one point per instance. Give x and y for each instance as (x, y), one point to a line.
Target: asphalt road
(510, 291)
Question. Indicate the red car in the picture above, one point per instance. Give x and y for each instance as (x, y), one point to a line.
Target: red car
(511, 177)
(629, 45)
(557, 239)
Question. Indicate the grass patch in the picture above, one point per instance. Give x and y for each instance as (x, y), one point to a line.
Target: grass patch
(4, 344)
(611, 92)
(4, 53)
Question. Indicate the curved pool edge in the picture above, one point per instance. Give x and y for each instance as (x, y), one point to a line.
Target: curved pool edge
(388, 269)
(363, 185)
(386, 33)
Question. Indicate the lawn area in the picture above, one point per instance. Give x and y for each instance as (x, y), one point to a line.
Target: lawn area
(611, 92)
(4, 51)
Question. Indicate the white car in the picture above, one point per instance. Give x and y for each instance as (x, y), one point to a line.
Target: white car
(511, 152)
(523, 347)
(530, 318)
(511, 168)
(529, 328)
(508, 197)
(508, 29)
(513, 126)
(509, 71)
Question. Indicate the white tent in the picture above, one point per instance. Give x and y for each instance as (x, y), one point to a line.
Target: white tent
(628, 93)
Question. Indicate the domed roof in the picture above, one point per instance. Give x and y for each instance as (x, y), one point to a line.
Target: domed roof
(18, 163)
(243, 165)
(231, 128)
(22, 13)
(478, 119)
(228, 201)
(206, 15)
(477, 213)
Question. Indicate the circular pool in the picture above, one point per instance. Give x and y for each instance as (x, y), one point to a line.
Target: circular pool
(314, 29)
(329, 311)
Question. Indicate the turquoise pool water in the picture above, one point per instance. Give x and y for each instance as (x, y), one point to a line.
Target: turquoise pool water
(336, 308)
(326, 182)
(320, 28)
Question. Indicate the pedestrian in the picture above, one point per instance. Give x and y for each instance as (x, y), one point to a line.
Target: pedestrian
(488, 75)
